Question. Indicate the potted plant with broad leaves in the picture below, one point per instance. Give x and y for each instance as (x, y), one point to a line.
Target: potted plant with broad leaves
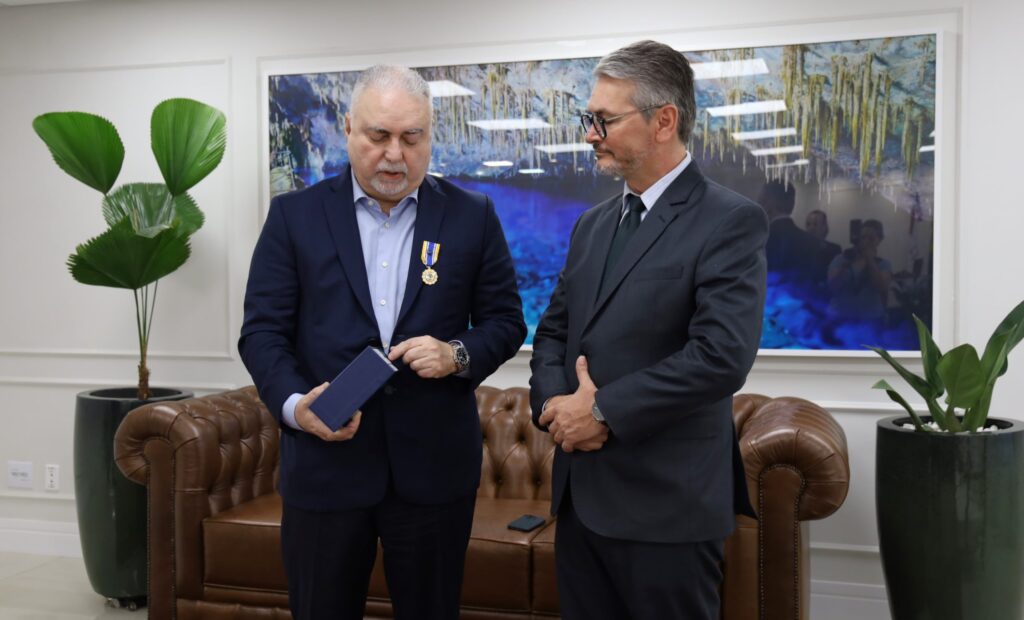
(949, 486)
(149, 226)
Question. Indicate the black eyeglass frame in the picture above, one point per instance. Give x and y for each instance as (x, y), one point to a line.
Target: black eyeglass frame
(600, 124)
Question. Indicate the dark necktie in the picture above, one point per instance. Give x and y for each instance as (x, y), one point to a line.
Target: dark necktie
(628, 226)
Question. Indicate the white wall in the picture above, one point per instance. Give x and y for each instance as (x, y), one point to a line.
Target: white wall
(58, 337)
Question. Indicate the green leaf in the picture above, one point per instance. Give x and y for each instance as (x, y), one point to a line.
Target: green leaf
(1006, 336)
(188, 140)
(120, 258)
(930, 355)
(960, 369)
(895, 397)
(84, 145)
(922, 387)
(187, 216)
(978, 416)
(946, 423)
(148, 206)
(152, 210)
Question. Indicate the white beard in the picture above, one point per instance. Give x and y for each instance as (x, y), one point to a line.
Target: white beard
(390, 188)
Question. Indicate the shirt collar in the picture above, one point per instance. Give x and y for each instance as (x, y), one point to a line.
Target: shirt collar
(654, 192)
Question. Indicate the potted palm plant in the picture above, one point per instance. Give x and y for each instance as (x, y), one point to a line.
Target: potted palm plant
(149, 226)
(949, 486)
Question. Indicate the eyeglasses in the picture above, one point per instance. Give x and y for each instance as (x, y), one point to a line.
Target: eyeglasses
(600, 124)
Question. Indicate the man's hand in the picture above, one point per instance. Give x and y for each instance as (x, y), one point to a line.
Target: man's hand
(548, 414)
(309, 422)
(427, 356)
(570, 418)
(591, 444)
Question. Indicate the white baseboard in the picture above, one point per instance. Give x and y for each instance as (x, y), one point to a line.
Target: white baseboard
(35, 537)
(836, 600)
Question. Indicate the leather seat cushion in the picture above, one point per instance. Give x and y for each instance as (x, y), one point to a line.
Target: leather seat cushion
(243, 546)
(545, 586)
(498, 560)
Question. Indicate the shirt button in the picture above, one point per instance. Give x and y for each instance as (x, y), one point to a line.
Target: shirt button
(384, 264)
(383, 302)
(387, 224)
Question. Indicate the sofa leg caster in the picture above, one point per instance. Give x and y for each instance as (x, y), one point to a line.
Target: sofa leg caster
(129, 603)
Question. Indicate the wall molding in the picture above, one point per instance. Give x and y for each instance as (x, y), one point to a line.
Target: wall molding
(119, 354)
(209, 62)
(844, 548)
(333, 52)
(865, 407)
(107, 383)
(37, 495)
(230, 184)
(37, 537)
(847, 589)
(806, 363)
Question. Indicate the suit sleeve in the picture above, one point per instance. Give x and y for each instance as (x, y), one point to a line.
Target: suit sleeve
(723, 336)
(271, 307)
(497, 328)
(547, 365)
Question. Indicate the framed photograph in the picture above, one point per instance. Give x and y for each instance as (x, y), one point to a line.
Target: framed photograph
(836, 139)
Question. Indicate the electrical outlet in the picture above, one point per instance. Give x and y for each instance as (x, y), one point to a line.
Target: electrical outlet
(52, 480)
(19, 474)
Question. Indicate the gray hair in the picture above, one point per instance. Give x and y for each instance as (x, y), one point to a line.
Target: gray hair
(661, 76)
(387, 77)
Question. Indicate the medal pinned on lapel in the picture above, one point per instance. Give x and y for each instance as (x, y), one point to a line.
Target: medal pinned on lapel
(428, 255)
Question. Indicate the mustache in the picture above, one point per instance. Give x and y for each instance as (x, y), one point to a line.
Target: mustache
(386, 167)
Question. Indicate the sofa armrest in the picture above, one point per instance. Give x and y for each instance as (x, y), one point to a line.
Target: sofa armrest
(798, 469)
(197, 457)
(796, 434)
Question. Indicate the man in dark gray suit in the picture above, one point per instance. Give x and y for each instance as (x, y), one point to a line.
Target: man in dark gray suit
(653, 325)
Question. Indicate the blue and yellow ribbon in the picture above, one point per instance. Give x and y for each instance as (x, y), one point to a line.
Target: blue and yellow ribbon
(429, 253)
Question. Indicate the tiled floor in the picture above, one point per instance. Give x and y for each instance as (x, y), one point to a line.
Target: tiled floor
(35, 587)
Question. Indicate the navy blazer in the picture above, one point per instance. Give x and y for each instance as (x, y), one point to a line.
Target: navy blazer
(669, 339)
(308, 313)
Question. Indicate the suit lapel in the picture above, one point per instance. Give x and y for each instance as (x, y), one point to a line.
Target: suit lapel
(339, 209)
(672, 202)
(604, 230)
(429, 215)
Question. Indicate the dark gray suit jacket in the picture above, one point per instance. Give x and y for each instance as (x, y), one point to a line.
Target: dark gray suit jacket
(671, 338)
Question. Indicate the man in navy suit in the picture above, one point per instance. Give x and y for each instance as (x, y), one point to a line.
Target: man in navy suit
(653, 325)
(381, 255)
(792, 254)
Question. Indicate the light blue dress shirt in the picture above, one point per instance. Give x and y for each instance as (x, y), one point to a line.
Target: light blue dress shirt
(387, 249)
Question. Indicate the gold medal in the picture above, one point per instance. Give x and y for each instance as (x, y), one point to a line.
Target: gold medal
(428, 256)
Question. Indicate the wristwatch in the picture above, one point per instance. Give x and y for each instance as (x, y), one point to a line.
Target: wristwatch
(459, 355)
(598, 416)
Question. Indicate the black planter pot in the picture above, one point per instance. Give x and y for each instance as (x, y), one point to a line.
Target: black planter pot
(111, 508)
(951, 521)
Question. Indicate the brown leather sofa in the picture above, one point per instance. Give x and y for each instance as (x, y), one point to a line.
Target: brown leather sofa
(211, 464)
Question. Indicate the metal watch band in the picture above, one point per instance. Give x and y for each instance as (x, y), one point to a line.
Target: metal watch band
(459, 355)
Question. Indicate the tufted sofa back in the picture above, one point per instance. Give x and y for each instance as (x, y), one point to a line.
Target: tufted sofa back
(516, 456)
